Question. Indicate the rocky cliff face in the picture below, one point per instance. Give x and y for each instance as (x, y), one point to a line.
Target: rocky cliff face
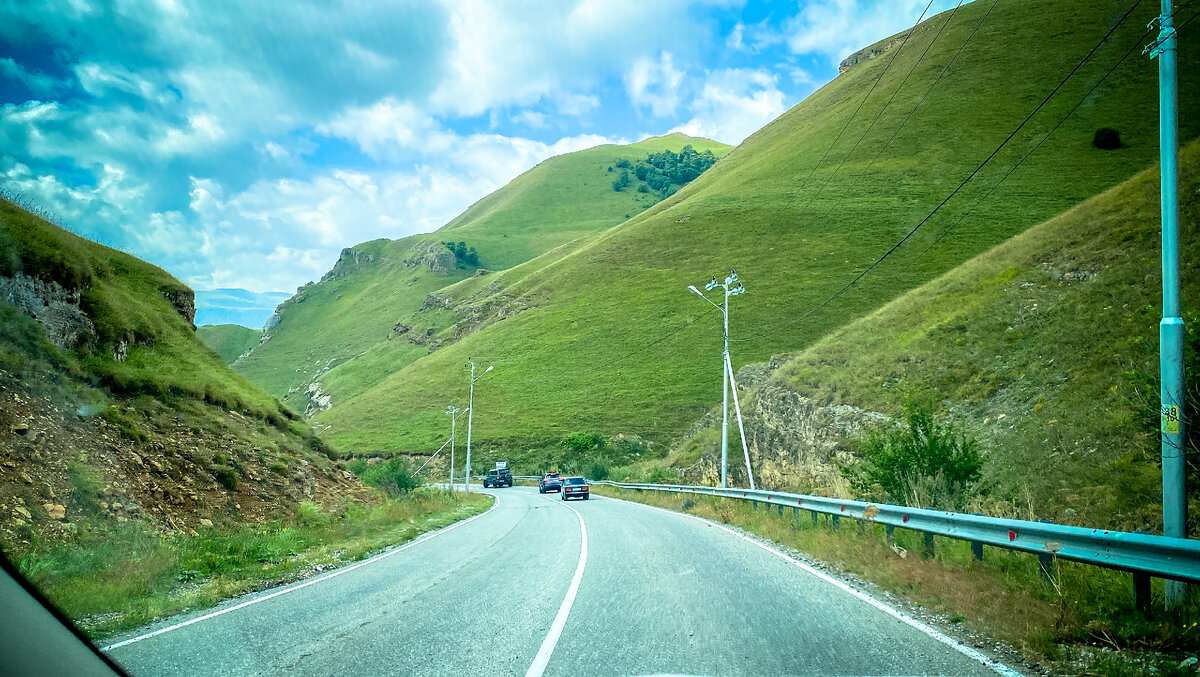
(184, 301)
(795, 442)
(434, 256)
(54, 307)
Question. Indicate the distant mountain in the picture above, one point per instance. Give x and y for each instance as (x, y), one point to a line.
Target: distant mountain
(237, 306)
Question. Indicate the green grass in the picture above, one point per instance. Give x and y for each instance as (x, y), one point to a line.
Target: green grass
(229, 340)
(1045, 348)
(1082, 605)
(586, 354)
(560, 200)
(131, 303)
(114, 577)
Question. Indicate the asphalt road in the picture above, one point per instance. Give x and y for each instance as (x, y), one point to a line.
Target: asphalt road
(514, 592)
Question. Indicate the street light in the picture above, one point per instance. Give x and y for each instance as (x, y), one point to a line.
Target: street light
(454, 412)
(730, 290)
(471, 415)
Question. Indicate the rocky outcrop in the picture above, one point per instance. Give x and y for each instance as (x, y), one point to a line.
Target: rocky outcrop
(54, 307)
(435, 256)
(349, 260)
(795, 442)
(868, 53)
(318, 399)
(184, 301)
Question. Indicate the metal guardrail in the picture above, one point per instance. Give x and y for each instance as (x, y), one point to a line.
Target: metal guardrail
(1142, 554)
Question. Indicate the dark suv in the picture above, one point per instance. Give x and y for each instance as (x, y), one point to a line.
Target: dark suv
(501, 477)
(551, 481)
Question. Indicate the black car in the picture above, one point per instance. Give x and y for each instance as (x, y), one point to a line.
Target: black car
(551, 481)
(501, 477)
(575, 487)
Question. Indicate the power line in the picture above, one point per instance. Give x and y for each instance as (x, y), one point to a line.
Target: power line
(885, 105)
(956, 190)
(945, 69)
(858, 108)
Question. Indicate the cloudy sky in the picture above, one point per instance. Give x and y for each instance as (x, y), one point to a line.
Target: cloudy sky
(243, 147)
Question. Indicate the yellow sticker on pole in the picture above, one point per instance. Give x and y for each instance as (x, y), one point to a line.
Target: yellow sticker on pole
(1170, 419)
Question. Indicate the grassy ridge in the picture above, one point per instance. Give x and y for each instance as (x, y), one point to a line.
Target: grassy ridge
(558, 201)
(1046, 347)
(229, 340)
(133, 305)
(595, 349)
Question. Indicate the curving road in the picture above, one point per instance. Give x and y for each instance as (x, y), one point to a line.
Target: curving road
(535, 587)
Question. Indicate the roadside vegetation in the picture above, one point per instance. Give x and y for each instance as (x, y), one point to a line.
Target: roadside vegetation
(110, 577)
(1080, 621)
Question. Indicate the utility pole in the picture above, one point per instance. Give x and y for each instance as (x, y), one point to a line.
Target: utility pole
(470, 415)
(730, 290)
(1170, 328)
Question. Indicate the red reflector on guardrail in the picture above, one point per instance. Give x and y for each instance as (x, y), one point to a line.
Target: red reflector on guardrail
(904, 519)
(1012, 535)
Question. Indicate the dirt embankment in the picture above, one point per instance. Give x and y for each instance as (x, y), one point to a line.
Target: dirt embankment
(60, 464)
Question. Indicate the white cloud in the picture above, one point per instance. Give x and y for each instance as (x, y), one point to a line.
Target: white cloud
(654, 84)
(733, 104)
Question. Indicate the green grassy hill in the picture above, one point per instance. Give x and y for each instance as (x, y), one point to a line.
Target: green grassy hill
(229, 340)
(120, 411)
(1045, 348)
(377, 284)
(602, 335)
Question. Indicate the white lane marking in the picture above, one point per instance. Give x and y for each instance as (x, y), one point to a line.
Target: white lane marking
(967, 651)
(305, 584)
(543, 655)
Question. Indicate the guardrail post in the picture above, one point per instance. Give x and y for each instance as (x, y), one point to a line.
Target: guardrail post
(754, 505)
(796, 516)
(780, 510)
(1141, 592)
(928, 551)
(833, 521)
(889, 533)
(1046, 560)
(976, 546)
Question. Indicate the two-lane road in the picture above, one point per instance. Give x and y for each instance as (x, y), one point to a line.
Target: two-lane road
(514, 592)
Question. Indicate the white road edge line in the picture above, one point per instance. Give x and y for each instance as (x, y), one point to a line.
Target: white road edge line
(547, 649)
(305, 584)
(967, 651)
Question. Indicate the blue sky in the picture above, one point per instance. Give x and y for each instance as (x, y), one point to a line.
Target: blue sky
(244, 147)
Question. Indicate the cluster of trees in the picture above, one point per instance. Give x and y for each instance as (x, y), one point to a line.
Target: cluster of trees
(663, 173)
(463, 253)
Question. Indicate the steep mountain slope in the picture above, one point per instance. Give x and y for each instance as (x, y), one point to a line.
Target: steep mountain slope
(229, 340)
(111, 409)
(378, 285)
(1045, 347)
(605, 336)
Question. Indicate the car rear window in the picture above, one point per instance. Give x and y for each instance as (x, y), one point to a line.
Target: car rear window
(576, 480)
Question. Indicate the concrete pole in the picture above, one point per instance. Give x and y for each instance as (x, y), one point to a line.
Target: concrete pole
(470, 415)
(725, 397)
(1170, 329)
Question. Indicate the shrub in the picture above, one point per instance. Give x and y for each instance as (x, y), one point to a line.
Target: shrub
(310, 514)
(1107, 139)
(127, 428)
(226, 476)
(278, 467)
(85, 486)
(922, 463)
(394, 476)
(584, 441)
(598, 471)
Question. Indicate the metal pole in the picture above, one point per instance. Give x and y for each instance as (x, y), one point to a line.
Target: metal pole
(725, 397)
(737, 409)
(470, 415)
(1170, 329)
(453, 419)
